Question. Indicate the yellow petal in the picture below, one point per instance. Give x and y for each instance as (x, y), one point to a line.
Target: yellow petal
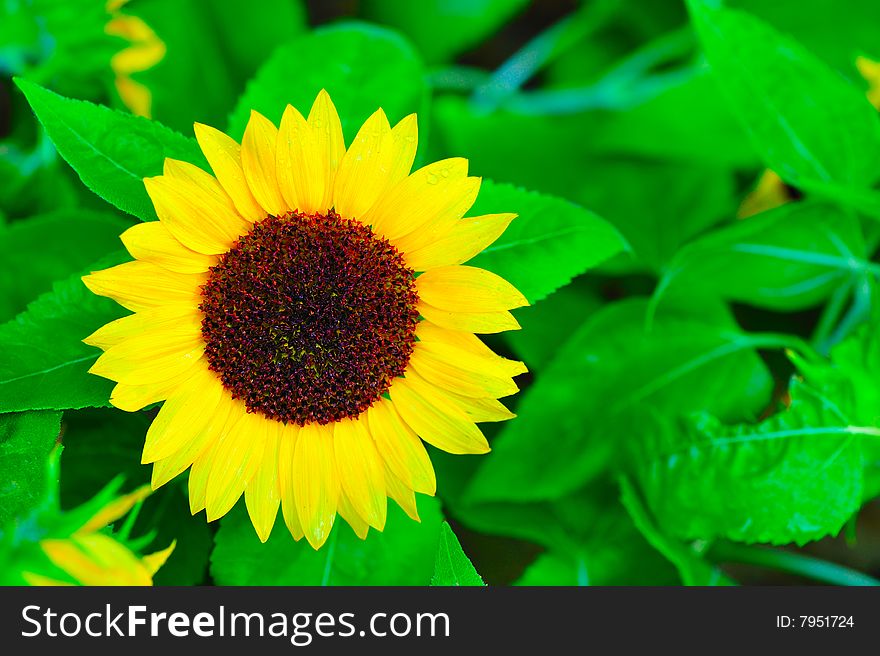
(467, 289)
(309, 153)
(132, 398)
(134, 95)
(436, 195)
(195, 217)
(201, 470)
(377, 159)
(258, 164)
(442, 222)
(402, 495)
(201, 437)
(239, 456)
(472, 322)
(459, 371)
(42, 581)
(262, 494)
(141, 285)
(299, 179)
(287, 439)
(118, 331)
(480, 410)
(360, 470)
(153, 242)
(400, 447)
(197, 178)
(224, 155)
(187, 412)
(347, 512)
(870, 70)
(431, 333)
(152, 562)
(770, 192)
(96, 559)
(434, 418)
(153, 356)
(477, 410)
(329, 142)
(464, 240)
(147, 48)
(315, 482)
(114, 510)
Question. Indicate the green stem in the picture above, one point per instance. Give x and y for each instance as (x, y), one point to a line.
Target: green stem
(830, 317)
(624, 85)
(128, 525)
(782, 341)
(857, 313)
(457, 78)
(787, 561)
(541, 50)
(610, 95)
(331, 551)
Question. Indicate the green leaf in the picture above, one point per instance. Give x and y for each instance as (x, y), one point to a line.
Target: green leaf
(855, 29)
(453, 567)
(609, 373)
(692, 569)
(589, 531)
(850, 377)
(812, 127)
(401, 555)
(43, 249)
(440, 28)
(362, 67)
(45, 364)
(112, 152)
(551, 322)
(674, 125)
(557, 569)
(514, 147)
(657, 206)
(794, 477)
(789, 258)
(548, 244)
(26, 439)
(589, 536)
(550, 154)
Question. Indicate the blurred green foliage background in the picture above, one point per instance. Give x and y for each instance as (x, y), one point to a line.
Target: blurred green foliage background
(701, 408)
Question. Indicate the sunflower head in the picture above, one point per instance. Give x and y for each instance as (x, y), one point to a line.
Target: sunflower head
(144, 50)
(76, 548)
(306, 316)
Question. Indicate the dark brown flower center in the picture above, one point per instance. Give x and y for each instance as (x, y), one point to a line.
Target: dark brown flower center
(308, 318)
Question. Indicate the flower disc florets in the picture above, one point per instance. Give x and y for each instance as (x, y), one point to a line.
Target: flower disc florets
(308, 318)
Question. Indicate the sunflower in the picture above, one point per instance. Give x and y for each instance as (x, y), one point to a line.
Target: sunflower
(306, 317)
(144, 51)
(76, 551)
